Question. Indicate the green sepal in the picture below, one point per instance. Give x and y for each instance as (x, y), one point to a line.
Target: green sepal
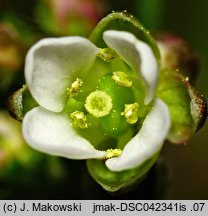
(172, 90)
(118, 181)
(20, 102)
(123, 21)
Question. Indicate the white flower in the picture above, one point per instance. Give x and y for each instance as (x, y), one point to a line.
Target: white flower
(53, 64)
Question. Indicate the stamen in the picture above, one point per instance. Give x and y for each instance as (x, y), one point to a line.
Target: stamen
(98, 103)
(79, 119)
(131, 113)
(75, 87)
(121, 79)
(107, 54)
(113, 153)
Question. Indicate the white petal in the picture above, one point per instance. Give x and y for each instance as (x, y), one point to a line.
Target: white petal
(52, 133)
(147, 142)
(52, 64)
(138, 55)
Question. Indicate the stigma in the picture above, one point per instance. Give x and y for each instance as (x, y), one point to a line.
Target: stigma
(98, 103)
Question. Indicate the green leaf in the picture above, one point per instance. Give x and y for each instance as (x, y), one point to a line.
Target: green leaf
(114, 181)
(123, 21)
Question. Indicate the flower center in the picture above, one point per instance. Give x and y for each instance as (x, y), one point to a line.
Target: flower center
(107, 108)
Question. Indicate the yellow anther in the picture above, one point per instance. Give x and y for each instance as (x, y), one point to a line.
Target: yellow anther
(113, 153)
(79, 119)
(107, 54)
(121, 79)
(75, 87)
(131, 113)
(187, 79)
(98, 103)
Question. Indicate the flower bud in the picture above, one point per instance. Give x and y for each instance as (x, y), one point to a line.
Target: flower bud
(20, 102)
(188, 109)
(11, 48)
(69, 17)
(12, 54)
(177, 54)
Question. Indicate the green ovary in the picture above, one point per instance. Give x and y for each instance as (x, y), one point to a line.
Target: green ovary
(108, 115)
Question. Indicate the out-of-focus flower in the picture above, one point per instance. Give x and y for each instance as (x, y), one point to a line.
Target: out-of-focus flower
(20, 164)
(12, 144)
(11, 48)
(69, 17)
(12, 54)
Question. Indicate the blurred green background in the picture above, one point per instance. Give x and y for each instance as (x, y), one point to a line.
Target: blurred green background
(181, 172)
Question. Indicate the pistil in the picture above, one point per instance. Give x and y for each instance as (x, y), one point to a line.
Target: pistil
(98, 103)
